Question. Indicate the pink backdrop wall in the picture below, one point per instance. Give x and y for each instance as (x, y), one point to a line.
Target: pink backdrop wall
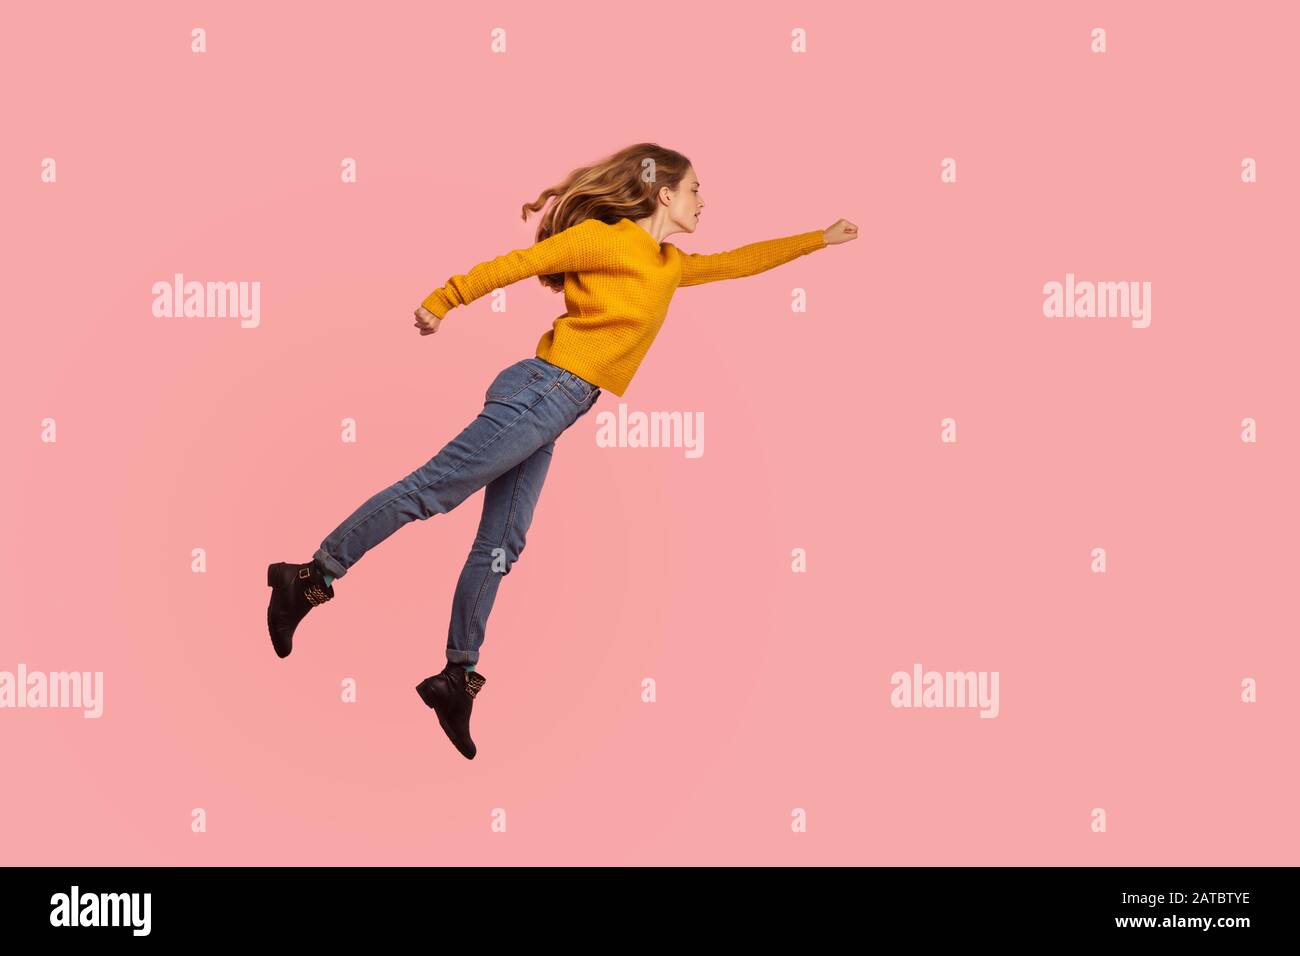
(1119, 690)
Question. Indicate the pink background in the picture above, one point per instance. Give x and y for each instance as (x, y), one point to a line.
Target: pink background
(1118, 690)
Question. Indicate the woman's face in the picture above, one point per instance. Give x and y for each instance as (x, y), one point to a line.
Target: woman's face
(684, 210)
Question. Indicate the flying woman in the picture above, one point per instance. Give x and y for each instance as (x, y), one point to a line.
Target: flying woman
(601, 242)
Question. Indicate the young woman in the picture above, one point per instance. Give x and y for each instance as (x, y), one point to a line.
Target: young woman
(601, 242)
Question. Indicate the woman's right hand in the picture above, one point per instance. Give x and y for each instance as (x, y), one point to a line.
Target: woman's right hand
(841, 231)
(426, 321)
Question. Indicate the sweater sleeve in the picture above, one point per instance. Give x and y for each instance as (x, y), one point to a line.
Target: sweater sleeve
(748, 260)
(579, 248)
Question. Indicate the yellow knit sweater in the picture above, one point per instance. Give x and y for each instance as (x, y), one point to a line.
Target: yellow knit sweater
(617, 285)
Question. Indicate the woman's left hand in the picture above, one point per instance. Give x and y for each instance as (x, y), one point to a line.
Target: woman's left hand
(426, 321)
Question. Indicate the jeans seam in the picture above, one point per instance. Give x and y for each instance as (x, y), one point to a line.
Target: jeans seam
(510, 518)
(537, 376)
(448, 474)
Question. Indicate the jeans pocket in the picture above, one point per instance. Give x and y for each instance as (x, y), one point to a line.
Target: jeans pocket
(579, 390)
(510, 381)
(591, 403)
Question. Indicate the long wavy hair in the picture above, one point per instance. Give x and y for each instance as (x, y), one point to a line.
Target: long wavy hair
(620, 185)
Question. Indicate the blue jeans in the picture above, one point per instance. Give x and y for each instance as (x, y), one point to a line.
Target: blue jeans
(506, 449)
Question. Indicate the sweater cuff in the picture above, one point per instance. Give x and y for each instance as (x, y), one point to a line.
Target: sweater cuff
(436, 304)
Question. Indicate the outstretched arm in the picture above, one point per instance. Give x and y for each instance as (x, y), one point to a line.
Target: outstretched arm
(761, 256)
(750, 259)
(576, 249)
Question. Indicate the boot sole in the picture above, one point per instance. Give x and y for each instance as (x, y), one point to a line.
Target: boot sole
(270, 629)
(278, 575)
(429, 701)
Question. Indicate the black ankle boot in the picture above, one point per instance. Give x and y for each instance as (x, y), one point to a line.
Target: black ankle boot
(451, 695)
(295, 590)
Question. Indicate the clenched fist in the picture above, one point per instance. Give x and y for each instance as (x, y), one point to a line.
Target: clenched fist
(842, 231)
(426, 321)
